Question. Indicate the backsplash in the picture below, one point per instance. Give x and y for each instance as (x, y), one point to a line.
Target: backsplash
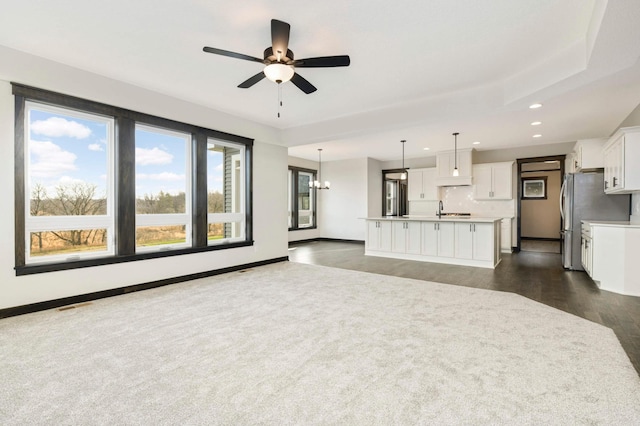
(459, 199)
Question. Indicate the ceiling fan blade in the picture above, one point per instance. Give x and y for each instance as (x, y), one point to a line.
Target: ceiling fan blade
(232, 54)
(280, 38)
(323, 62)
(303, 84)
(251, 81)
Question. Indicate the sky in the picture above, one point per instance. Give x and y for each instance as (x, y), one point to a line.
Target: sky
(65, 148)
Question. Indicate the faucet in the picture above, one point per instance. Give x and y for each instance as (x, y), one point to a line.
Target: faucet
(440, 208)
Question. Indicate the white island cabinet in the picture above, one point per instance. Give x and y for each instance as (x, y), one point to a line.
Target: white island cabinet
(438, 239)
(458, 241)
(474, 241)
(378, 235)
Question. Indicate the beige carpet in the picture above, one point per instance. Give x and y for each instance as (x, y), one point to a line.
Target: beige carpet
(302, 344)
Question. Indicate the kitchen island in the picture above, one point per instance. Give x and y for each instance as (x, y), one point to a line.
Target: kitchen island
(456, 240)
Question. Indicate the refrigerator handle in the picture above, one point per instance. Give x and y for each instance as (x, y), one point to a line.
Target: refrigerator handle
(564, 183)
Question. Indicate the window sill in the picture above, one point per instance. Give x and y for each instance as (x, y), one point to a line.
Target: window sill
(75, 264)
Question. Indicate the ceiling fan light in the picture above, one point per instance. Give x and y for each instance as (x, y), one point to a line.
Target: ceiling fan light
(279, 73)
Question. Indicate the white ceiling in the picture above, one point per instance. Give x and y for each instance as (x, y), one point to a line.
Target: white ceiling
(420, 70)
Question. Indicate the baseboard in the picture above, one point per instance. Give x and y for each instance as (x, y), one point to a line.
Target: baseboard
(71, 300)
(335, 240)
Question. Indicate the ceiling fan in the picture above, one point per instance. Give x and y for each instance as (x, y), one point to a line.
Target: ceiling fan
(279, 60)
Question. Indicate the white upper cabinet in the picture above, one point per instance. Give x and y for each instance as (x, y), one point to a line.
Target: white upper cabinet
(621, 157)
(588, 154)
(493, 181)
(446, 162)
(422, 185)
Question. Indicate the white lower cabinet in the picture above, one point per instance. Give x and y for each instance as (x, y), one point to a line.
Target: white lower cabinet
(438, 239)
(406, 237)
(610, 254)
(456, 242)
(378, 235)
(474, 241)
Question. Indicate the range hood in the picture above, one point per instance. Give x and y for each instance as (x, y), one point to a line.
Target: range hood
(445, 163)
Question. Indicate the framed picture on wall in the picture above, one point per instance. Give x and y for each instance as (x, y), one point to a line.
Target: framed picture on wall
(534, 188)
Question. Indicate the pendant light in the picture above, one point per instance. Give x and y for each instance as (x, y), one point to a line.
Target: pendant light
(316, 183)
(403, 176)
(455, 155)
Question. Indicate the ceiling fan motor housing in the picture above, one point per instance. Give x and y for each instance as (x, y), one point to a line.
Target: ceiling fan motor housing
(269, 57)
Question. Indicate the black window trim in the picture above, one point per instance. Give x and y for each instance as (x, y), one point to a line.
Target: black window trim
(124, 211)
(294, 199)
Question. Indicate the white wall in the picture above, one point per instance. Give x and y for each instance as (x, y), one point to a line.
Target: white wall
(374, 188)
(341, 208)
(269, 185)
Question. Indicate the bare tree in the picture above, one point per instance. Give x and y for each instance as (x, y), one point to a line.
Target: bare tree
(79, 199)
(37, 207)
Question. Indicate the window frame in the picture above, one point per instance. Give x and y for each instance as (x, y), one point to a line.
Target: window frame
(123, 174)
(66, 222)
(293, 198)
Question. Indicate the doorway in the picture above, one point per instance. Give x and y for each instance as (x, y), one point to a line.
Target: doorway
(539, 221)
(394, 192)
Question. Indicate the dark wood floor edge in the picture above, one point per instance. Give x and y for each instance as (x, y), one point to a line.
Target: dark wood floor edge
(540, 239)
(81, 298)
(334, 240)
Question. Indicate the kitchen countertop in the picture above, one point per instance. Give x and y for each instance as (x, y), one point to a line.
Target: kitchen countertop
(435, 218)
(612, 223)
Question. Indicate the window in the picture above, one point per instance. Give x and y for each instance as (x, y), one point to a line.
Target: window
(69, 194)
(225, 192)
(302, 208)
(534, 188)
(163, 195)
(100, 184)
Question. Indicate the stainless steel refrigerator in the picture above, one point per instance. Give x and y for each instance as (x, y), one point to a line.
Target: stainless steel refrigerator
(582, 197)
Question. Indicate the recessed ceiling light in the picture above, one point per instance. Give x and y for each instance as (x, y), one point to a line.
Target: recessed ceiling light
(426, 149)
(534, 106)
(476, 143)
(537, 136)
(536, 123)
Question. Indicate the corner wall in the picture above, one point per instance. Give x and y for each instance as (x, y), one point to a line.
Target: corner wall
(341, 209)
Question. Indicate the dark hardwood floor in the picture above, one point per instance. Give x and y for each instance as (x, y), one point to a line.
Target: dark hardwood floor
(537, 276)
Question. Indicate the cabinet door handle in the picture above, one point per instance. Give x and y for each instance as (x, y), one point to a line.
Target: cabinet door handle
(470, 228)
(614, 182)
(435, 227)
(606, 184)
(438, 226)
(576, 163)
